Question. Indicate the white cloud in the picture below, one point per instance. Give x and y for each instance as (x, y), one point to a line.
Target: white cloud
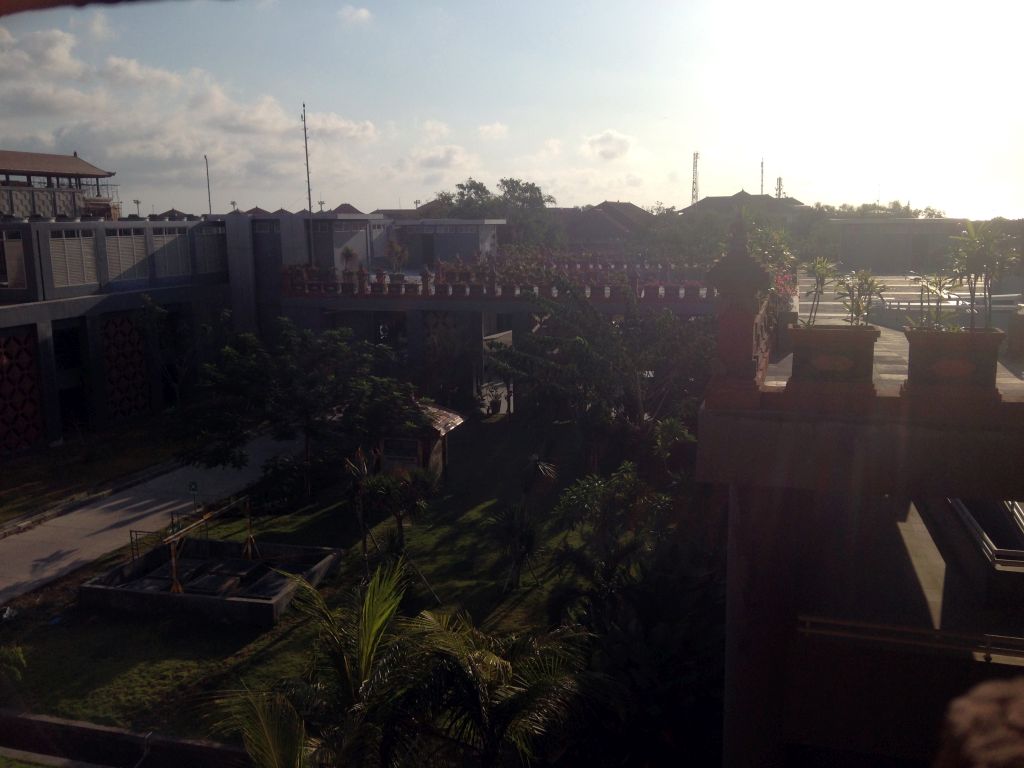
(447, 156)
(47, 100)
(131, 72)
(493, 130)
(99, 27)
(55, 102)
(607, 145)
(432, 130)
(334, 126)
(39, 54)
(352, 15)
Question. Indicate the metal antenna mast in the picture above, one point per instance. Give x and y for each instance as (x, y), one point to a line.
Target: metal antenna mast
(778, 187)
(209, 200)
(693, 191)
(309, 188)
(762, 175)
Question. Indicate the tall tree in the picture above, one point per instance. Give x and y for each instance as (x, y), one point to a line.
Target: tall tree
(313, 386)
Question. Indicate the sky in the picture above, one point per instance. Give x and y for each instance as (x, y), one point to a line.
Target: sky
(592, 100)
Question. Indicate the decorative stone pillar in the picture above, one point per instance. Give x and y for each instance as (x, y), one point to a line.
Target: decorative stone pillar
(741, 281)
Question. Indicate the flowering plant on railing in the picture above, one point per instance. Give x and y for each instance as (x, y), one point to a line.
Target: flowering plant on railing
(784, 288)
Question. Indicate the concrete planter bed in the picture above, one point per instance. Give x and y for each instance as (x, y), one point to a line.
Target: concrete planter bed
(953, 363)
(218, 581)
(832, 367)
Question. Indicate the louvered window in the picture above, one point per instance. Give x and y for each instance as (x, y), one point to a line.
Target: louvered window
(72, 257)
(170, 251)
(12, 260)
(211, 250)
(126, 254)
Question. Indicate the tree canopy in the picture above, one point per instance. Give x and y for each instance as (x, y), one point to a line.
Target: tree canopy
(298, 384)
(521, 203)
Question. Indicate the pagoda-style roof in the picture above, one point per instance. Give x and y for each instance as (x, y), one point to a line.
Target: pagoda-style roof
(41, 164)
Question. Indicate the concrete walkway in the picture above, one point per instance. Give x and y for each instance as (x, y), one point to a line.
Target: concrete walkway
(38, 555)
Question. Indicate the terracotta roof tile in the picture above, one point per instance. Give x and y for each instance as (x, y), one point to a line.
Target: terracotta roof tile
(41, 164)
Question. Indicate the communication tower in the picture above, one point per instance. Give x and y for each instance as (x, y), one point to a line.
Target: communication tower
(693, 191)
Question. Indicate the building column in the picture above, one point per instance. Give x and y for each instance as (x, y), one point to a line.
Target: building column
(765, 526)
(97, 368)
(472, 325)
(416, 342)
(48, 383)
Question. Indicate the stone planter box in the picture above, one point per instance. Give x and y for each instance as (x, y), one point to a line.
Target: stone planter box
(832, 369)
(833, 354)
(953, 364)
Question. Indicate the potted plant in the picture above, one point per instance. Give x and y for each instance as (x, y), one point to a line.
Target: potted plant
(946, 360)
(823, 272)
(348, 275)
(398, 255)
(834, 363)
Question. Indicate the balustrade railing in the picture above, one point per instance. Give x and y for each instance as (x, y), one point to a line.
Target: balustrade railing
(298, 281)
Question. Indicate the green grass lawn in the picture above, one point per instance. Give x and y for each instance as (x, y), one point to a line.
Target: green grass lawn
(84, 464)
(162, 673)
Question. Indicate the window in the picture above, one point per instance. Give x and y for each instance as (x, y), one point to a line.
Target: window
(126, 254)
(170, 253)
(211, 250)
(349, 226)
(12, 261)
(72, 258)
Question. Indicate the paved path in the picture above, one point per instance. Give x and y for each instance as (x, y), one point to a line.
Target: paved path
(56, 547)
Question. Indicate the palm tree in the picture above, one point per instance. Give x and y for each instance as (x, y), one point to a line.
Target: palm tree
(271, 729)
(344, 711)
(496, 696)
(519, 536)
(12, 665)
(386, 691)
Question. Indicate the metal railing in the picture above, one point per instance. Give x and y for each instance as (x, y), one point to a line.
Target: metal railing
(959, 301)
(1000, 558)
(1005, 649)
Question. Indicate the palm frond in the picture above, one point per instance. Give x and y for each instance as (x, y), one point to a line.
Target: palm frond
(272, 730)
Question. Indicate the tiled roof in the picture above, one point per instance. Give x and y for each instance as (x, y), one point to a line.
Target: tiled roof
(442, 420)
(41, 164)
(347, 208)
(628, 214)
